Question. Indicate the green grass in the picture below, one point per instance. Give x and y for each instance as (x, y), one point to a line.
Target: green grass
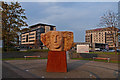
(118, 53)
(22, 58)
(96, 60)
(35, 50)
(31, 50)
(38, 50)
(0, 49)
(72, 59)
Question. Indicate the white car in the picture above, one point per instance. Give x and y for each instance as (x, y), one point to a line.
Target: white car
(111, 50)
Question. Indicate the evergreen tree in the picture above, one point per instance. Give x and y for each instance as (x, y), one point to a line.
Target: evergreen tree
(13, 18)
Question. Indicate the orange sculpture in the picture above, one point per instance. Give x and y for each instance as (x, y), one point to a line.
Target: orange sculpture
(58, 40)
(58, 43)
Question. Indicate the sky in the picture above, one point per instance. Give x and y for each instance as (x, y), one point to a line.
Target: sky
(68, 16)
(62, 0)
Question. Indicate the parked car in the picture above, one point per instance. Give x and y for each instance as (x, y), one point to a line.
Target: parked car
(91, 51)
(118, 50)
(111, 51)
(23, 49)
(104, 50)
(17, 48)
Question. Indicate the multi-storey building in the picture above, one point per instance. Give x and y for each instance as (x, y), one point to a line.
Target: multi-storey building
(102, 35)
(31, 38)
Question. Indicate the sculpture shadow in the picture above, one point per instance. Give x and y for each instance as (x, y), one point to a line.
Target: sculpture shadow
(73, 65)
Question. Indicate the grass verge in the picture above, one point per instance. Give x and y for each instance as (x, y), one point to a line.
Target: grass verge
(113, 53)
(28, 51)
(22, 58)
(111, 61)
(118, 53)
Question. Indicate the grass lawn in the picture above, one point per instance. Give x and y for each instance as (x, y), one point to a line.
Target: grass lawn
(31, 50)
(38, 50)
(96, 60)
(118, 53)
(22, 58)
(72, 59)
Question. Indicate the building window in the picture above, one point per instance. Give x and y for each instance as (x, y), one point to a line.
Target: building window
(42, 30)
(26, 38)
(51, 28)
(31, 40)
(31, 37)
(23, 41)
(23, 38)
(31, 34)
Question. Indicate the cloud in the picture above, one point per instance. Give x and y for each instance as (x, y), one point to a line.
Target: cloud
(70, 15)
(76, 17)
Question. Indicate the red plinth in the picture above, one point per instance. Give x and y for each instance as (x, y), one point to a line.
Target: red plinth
(57, 61)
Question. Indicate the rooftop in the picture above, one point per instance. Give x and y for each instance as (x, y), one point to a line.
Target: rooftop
(98, 29)
(42, 24)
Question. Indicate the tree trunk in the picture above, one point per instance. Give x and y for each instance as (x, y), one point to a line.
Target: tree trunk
(3, 43)
(115, 48)
(114, 42)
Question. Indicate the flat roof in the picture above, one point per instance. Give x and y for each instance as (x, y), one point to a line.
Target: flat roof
(97, 29)
(41, 24)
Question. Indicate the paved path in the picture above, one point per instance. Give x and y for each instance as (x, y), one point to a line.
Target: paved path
(8, 73)
(76, 69)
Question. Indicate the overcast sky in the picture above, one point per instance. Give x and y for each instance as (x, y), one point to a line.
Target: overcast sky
(68, 16)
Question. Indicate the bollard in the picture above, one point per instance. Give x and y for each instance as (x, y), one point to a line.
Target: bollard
(108, 59)
(25, 57)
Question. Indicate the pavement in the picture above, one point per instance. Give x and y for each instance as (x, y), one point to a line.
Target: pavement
(76, 69)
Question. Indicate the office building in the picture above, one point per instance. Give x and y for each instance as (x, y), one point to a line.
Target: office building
(31, 38)
(103, 36)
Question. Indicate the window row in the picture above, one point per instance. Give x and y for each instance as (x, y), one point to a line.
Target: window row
(29, 41)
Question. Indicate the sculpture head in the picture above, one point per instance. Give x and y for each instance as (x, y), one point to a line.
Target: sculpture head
(58, 40)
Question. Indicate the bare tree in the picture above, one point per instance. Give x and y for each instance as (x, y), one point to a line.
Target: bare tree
(110, 19)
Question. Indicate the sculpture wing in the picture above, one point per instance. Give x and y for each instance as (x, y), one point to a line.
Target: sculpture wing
(68, 40)
(45, 38)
